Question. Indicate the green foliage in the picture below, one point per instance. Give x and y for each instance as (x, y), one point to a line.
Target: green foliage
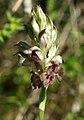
(74, 64)
(22, 75)
(14, 82)
(51, 8)
(72, 116)
(10, 27)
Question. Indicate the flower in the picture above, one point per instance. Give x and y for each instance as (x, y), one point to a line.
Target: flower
(43, 51)
(54, 70)
(35, 81)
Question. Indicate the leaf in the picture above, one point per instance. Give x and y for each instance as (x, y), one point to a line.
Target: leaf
(42, 99)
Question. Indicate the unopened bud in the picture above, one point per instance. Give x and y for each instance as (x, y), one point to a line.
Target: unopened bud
(58, 58)
(41, 18)
(35, 27)
(43, 40)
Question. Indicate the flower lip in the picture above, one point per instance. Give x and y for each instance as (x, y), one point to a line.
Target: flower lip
(35, 81)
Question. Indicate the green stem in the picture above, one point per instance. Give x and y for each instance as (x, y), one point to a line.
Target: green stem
(41, 115)
(42, 103)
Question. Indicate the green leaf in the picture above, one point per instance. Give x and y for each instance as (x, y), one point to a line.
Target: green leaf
(42, 99)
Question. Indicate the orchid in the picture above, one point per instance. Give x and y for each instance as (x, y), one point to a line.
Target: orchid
(42, 54)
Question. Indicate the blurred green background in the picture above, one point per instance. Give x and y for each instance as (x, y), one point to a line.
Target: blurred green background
(65, 99)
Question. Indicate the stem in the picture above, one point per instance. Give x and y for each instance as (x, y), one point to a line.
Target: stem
(41, 115)
(42, 103)
(44, 58)
(42, 97)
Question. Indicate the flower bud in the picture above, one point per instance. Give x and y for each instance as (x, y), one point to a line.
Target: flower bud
(35, 81)
(43, 39)
(58, 58)
(40, 17)
(35, 27)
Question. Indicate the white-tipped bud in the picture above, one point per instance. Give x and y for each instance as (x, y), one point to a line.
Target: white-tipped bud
(43, 40)
(58, 58)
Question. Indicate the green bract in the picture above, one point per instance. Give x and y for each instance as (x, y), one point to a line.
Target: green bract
(43, 32)
(39, 17)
